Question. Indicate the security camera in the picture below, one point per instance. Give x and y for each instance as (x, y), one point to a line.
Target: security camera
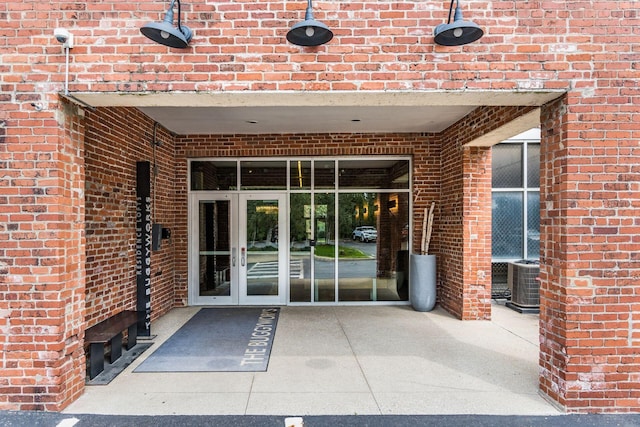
(63, 36)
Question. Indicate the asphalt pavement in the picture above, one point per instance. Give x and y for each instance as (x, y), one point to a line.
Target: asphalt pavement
(52, 419)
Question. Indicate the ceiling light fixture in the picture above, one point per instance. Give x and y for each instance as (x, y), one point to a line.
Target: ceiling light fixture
(165, 33)
(459, 32)
(309, 32)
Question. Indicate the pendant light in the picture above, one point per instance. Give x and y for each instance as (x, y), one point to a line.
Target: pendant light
(165, 33)
(309, 32)
(459, 32)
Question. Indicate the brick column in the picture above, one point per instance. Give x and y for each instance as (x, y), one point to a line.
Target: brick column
(465, 251)
(464, 220)
(590, 267)
(476, 227)
(41, 260)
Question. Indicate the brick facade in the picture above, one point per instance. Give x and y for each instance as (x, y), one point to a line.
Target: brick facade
(66, 171)
(41, 264)
(116, 140)
(590, 330)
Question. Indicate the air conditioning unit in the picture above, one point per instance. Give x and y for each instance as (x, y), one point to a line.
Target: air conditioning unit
(522, 277)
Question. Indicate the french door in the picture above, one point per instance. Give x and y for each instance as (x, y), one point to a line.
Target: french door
(238, 249)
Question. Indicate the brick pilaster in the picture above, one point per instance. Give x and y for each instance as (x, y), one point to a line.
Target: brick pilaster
(590, 293)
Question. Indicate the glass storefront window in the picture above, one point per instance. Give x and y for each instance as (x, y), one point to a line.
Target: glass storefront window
(374, 242)
(214, 175)
(346, 243)
(263, 175)
(374, 174)
(357, 265)
(324, 174)
(300, 175)
(324, 260)
(300, 246)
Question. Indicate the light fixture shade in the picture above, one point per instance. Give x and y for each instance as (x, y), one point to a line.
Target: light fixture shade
(459, 32)
(165, 33)
(309, 32)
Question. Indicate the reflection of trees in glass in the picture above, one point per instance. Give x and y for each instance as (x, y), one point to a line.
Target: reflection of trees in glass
(346, 213)
(298, 221)
(324, 216)
(262, 219)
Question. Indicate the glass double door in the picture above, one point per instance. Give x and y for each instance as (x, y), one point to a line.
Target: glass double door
(237, 252)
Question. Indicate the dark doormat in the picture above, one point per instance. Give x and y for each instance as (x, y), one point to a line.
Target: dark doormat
(111, 370)
(218, 340)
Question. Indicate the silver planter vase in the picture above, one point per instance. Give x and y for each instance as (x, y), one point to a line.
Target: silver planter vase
(422, 282)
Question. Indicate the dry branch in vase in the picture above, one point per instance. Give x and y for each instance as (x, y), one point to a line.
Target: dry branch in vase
(427, 226)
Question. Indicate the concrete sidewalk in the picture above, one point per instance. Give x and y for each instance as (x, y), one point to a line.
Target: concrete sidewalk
(350, 360)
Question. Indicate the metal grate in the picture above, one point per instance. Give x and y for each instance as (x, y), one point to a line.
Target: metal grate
(499, 282)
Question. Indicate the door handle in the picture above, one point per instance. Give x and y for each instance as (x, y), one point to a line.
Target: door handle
(243, 252)
(233, 257)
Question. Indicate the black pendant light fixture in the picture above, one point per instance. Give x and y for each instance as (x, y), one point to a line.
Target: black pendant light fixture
(459, 32)
(309, 32)
(165, 33)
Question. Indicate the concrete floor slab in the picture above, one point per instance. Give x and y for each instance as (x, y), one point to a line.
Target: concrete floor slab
(160, 403)
(184, 382)
(301, 404)
(459, 401)
(322, 374)
(349, 360)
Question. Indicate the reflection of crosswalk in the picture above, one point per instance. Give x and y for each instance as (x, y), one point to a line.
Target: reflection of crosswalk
(270, 269)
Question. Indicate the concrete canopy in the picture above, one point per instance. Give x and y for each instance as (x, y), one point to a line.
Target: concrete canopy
(299, 112)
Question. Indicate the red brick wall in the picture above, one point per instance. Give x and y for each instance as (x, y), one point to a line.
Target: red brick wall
(41, 262)
(116, 139)
(44, 219)
(241, 46)
(590, 268)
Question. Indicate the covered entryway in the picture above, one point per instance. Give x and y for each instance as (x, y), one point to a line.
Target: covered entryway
(338, 147)
(448, 166)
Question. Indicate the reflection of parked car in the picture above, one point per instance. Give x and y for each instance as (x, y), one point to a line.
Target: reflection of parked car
(366, 233)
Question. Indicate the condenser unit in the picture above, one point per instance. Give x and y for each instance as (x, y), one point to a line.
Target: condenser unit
(522, 277)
